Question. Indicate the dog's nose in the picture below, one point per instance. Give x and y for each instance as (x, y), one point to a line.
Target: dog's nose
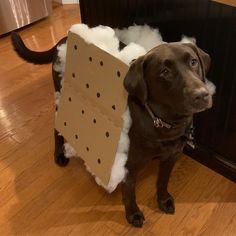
(201, 95)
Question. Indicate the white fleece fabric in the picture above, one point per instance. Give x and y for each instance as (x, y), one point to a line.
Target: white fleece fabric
(139, 40)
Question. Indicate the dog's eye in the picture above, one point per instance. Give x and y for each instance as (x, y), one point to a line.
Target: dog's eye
(194, 62)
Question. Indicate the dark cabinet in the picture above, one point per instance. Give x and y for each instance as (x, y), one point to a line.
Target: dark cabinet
(214, 26)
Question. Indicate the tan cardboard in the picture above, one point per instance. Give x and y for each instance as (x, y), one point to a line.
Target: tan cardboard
(92, 102)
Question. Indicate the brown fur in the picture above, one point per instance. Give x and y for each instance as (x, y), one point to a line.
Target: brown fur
(171, 95)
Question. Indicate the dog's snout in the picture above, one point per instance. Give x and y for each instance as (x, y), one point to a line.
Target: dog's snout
(200, 99)
(201, 95)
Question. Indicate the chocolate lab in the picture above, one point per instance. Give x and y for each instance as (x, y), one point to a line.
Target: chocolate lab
(166, 87)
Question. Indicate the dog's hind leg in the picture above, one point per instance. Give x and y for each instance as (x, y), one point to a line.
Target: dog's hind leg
(165, 200)
(59, 156)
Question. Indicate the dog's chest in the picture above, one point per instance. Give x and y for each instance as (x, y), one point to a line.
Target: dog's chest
(164, 149)
(153, 146)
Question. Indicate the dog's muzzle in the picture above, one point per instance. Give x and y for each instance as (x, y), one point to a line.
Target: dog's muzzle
(201, 99)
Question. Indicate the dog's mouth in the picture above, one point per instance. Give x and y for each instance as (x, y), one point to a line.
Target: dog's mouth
(203, 101)
(199, 106)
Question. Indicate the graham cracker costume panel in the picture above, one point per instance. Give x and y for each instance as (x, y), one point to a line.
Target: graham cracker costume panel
(92, 102)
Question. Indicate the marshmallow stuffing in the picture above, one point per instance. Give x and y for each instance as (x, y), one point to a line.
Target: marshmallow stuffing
(139, 40)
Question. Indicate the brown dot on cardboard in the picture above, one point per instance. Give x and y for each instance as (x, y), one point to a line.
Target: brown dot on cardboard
(94, 121)
(107, 134)
(87, 85)
(65, 124)
(75, 47)
(101, 63)
(69, 99)
(82, 111)
(98, 95)
(113, 107)
(76, 136)
(73, 75)
(99, 161)
(90, 59)
(118, 73)
(87, 149)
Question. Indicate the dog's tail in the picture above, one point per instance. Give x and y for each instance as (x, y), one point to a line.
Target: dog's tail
(28, 55)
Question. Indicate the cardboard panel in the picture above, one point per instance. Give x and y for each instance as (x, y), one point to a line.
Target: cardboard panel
(98, 75)
(92, 102)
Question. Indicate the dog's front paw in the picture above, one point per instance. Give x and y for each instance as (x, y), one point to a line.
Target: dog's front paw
(167, 205)
(136, 219)
(61, 160)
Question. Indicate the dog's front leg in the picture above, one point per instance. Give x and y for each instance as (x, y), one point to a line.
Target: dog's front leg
(133, 214)
(165, 200)
(59, 157)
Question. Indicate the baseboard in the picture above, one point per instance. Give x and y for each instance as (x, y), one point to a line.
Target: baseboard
(213, 161)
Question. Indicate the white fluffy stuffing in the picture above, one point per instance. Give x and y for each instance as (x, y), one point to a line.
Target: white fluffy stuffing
(186, 39)
(119, 171)
(59, 66)
(130, 52)
(57, 96)
(135, 37)
(101, 36)
(142, 35)
(69, 151)
(211, 87)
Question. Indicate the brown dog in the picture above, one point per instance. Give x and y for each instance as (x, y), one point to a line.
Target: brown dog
(166, 87)
(169, 81)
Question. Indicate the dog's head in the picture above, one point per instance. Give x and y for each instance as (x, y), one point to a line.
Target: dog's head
(172, 74)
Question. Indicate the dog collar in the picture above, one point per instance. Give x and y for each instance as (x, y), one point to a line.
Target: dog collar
(158, 122)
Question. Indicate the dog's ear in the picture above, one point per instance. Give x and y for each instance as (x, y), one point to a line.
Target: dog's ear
(204, 58)
(134, 81)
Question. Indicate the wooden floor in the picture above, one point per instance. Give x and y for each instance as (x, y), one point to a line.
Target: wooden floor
(39, 198)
